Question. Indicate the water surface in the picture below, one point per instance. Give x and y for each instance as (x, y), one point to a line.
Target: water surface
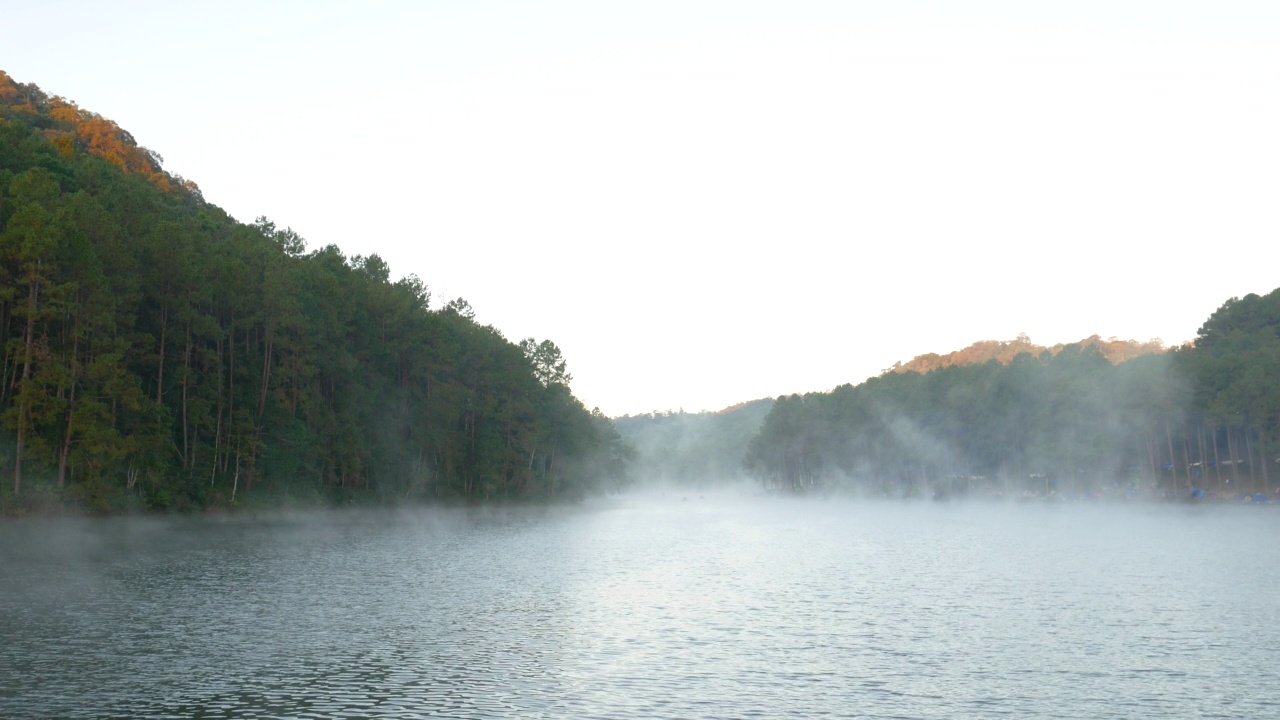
(718, 607)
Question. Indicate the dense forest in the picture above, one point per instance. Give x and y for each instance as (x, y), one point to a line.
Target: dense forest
(157, 353)
(1201, 420)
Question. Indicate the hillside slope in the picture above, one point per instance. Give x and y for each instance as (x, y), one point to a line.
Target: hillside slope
(157, 353)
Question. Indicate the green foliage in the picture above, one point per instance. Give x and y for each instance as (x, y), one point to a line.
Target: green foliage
(1060, 421)
(159, 355)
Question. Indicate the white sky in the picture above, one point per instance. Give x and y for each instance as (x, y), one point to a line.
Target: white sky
(708, 202)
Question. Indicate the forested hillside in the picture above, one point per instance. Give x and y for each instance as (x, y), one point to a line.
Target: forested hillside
(693, 449)
(158, 353)
(1206, 417)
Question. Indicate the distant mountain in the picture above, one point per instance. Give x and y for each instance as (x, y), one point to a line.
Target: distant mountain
(710, 447)
(1114, 350)
(693, 448)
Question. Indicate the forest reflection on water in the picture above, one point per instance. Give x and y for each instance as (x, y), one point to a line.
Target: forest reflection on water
(648, 607)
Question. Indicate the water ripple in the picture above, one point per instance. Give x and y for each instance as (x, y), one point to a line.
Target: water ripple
(740, 609)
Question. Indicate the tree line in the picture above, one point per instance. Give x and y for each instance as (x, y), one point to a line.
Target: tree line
(158, 353)
(692, 449)
(1203, 418)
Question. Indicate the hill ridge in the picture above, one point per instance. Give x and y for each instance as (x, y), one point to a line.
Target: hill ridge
(1115, 351)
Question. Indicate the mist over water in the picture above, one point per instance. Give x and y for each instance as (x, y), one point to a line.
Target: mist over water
(683, 605)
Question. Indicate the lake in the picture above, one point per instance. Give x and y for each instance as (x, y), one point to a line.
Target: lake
(648, 607)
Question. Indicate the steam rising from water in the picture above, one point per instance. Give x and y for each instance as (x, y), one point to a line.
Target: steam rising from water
(722, 604)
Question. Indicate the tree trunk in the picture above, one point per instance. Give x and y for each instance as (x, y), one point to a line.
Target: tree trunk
(5, 377)
(1231, 451)
(23, 399)
(1217, 464)
(1265, 455)
(231, 386)
(164, 326)
(1204, 456)
(186, 385)
(266, 378)
(1248, 454)
(217, 422)
(1186, 459)
(71, 413)
(1152, 465)
(252, 470)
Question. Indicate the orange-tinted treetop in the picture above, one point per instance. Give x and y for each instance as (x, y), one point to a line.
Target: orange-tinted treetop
(1113, 349)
